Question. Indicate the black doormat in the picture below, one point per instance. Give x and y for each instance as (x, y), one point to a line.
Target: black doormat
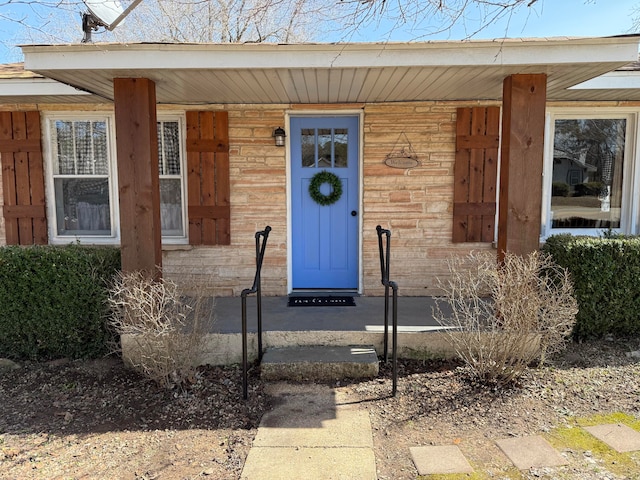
(321, 302)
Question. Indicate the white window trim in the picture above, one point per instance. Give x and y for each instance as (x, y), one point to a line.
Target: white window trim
(114, 238)
(629, 213)
(48, 150)
(181, 119)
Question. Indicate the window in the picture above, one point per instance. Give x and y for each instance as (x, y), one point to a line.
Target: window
(82, 190)
(588, 172)
(82, 181)
(324, 147)
(171, 182)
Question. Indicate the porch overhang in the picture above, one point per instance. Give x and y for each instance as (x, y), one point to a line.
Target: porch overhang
(21, 86)
(334, 73)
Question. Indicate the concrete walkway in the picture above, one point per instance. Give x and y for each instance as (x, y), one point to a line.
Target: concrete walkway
(316, 432)
(311, 433)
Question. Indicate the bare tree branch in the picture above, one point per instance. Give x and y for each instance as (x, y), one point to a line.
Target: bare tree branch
(430, 17)
(285, 21)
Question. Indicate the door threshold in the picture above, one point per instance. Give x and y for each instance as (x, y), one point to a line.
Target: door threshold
(324, 293)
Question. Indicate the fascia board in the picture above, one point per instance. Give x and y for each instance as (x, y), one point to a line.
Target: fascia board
(613, 50)
(611, 81)
(36, 87)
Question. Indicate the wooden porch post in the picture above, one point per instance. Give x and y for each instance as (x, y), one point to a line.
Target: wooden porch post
(520, 198)
(139, 184)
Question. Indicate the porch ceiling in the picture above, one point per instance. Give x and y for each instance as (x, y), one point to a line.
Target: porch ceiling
(337, 73)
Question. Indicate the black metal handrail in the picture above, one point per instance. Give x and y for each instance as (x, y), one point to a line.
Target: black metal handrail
(256, 288)
(384, 270)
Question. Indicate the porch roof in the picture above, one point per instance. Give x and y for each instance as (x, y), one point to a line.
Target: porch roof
(22, 86)
(338, 73)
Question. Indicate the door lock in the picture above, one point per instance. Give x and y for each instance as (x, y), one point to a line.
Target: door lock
(353, 213)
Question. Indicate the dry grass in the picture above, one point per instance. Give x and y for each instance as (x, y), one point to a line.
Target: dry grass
(513, 314)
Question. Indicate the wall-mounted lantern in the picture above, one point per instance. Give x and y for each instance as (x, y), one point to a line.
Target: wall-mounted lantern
(279, 136)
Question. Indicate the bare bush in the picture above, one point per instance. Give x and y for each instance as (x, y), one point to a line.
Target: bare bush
(502, 318)
(167, 326)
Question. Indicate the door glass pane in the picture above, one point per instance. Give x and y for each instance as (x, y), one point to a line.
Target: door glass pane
(308, 145)
(340, 142)
(324, 147)
(588, 156)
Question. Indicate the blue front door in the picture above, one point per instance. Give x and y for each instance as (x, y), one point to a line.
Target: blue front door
(324, 237)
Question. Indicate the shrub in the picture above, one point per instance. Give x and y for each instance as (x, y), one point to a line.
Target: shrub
(560, 189)
(166, 326)
(506, 317)
(589, 189)
(605, 273)
(53, 301)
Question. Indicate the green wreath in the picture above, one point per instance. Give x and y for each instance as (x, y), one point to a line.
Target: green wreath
(321, 178)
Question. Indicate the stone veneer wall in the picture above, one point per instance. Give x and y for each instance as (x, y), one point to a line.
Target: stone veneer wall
(415, 204)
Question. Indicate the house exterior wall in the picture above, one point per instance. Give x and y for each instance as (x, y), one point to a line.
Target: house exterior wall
(258, 198)
(415, 204)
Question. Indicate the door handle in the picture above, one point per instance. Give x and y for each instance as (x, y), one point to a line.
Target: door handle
(353, 213)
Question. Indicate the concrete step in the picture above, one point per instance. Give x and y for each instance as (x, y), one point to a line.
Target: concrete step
(319, 363)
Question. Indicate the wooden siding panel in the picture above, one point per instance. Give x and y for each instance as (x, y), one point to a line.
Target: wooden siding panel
(223, 187)
(475, 174)
(208, 187)
(491, 159)
(8, 175)
(21, 162)
(461, 175)
(208, 178)
(193, 176)
(22, 178)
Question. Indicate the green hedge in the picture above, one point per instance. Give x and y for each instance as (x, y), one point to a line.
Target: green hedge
(606, 276)
(53, 301)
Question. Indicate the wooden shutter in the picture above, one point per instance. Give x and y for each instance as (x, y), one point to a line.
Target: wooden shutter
(475, 174)
(208, 178)
(22, 178)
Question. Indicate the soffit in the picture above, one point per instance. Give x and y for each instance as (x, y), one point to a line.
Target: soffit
(336, 73)
(18, 85)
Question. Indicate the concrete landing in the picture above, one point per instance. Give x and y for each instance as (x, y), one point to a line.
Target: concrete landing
(312, 433)
(319, 363)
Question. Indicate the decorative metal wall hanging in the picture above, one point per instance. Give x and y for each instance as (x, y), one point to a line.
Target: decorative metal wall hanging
(403, 157)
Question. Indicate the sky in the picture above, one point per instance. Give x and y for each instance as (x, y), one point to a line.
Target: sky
(547, 18)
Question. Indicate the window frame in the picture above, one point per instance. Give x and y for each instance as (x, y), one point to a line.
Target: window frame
(114, 237)
(629, 206)
(180, 118)
(49, 149)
